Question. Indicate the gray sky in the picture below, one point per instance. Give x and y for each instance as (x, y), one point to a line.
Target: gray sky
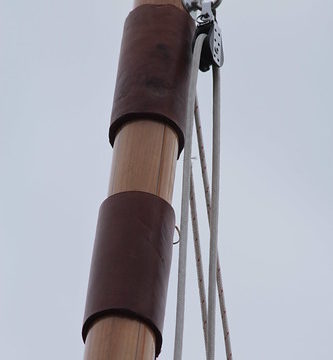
(58, 64)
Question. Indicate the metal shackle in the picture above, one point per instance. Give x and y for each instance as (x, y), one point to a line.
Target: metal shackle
(194, 5)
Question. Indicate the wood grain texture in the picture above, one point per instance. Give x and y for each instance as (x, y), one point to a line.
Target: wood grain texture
(121, 339)
(144, 159)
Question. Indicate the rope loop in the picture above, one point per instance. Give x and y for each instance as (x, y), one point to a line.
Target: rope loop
(208, 309)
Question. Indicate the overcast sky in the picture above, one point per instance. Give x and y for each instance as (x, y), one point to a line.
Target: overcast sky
(58, 62)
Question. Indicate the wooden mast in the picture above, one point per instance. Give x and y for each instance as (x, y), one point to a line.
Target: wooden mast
(144, 159)
(121, 338)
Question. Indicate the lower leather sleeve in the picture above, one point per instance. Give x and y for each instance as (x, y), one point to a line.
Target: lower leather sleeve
(131, 261)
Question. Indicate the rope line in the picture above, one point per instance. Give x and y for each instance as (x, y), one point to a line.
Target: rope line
(214, 215)
(185, 201)
(198, 257)
(205, 179)
(212, 207)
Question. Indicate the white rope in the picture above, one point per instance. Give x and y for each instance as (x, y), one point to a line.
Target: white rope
(202, 156)
(223, 309)
(212, 205)
(197, 249)
(214, 215)
(204, 172)
(185, 201)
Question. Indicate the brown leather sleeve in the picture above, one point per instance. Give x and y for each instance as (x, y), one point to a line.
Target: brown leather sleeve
(154, 69)
(131, 261)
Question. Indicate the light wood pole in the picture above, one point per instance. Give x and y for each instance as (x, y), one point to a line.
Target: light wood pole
(144, 159)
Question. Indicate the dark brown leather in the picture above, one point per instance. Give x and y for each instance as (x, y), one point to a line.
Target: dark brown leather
(154, 68)
(131, 261)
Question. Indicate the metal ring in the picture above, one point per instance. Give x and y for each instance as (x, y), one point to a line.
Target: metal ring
(192, 5)
(178, 231)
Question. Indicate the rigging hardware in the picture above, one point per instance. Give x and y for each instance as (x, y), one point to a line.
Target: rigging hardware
(194, 5)
(212, 52)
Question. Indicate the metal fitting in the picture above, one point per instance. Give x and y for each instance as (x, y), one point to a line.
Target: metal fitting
(212, 51)
(192, 6)
(195, 5)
